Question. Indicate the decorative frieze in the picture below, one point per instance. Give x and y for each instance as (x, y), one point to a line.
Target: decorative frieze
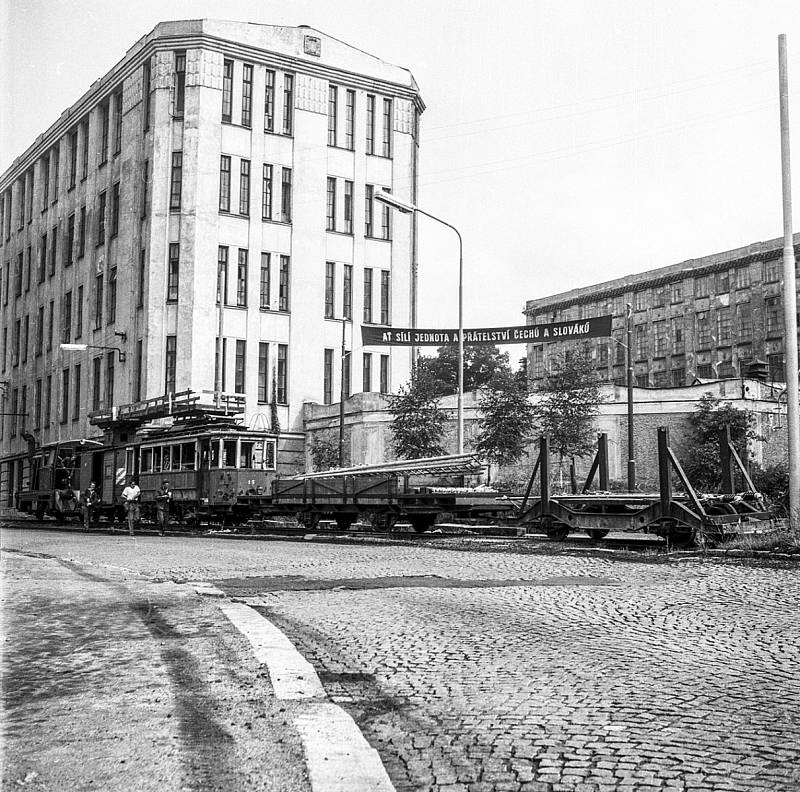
(403, 116)
(204, 68)
(312, 94)
(163, 68)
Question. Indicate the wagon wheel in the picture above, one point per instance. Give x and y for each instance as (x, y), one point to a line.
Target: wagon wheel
(556, 531)
(679, 536)
(422, 522)
(345, 521)
(597, 533)
(308, 519)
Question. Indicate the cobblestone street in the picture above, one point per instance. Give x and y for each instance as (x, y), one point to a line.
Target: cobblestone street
(505, 671)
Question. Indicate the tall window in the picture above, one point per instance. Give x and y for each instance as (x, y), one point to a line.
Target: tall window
(146, 74)
(180, 82)
(283, 373)
(772, 311)
(269, 102)
(45, 172)
(348, 207)
(227, 90)
(115, 210)
(247, 94)
(368, 295)
(346, 376)
(76, 394)
(110, 379)
(283, 284)
(103, 152)
(137, 377)
(141, 279)
(332, 102)
(176, 181)
(18, 274)
(22, 182)
(117, 122)
(241, 279)
(42, 258)
(78, 313)
(73, 157)
(39, 334)
(48, 399)
(55, 157)
(742, 277)
(773, 269)
(170, 361)
(111, 308)
(286, 195)
(703, 329)
(173, 270)
(239, 367)
(264, 285)
(349, 118)
(702, 286)
(330, 211)
(263, 372)
(64, 396)
(222, 275)
(26, 333)
(384, 384)
(723, 325)
(37, 405)
(54, 248)
(366, 372)
(98, 301)
(659, 339)
(85, 151)
(744, 321)
(327, 377)
(219, 375)
(369, 207)
(640, 341)
(97, 388)
(101, 219)
(387, 128)
(69, 241)
(384, 297)
(244, 187)
(66, 318)
(386, 222)
(347, 292)
(722, 283)
(370, 124)
(144, 191)
(81, 237)
(224, 183)
(330, 280)
(266, 193)
(288, 103)
(51, 316)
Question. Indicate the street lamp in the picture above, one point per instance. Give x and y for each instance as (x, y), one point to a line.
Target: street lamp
(408, 208)
(84, 347)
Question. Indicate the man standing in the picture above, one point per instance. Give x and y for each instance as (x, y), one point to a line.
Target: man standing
(91, 498)
(130, 497)
(163, 500)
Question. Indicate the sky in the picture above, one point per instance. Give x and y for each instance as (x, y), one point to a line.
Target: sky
(569, 141)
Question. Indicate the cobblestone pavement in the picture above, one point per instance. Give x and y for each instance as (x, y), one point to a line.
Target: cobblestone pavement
(483, 672)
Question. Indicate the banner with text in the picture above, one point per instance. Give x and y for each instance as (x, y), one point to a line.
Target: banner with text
(596, 327)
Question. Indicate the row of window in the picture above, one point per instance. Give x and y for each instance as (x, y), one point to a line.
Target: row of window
(286, 125)
(366, 374)
(282, 212)
(331, 278)
(271, 384)
(216, 453)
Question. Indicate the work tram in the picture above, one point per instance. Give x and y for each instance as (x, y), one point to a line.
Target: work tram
(216, 468)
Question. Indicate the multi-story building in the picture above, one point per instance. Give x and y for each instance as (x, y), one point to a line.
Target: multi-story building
(705, 318)
(216, 162)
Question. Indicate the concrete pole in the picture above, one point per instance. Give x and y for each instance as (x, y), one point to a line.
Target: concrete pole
(342, 397)
(628, 339)
(789, 293)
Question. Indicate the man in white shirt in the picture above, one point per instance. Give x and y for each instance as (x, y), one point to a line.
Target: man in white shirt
(130, 497)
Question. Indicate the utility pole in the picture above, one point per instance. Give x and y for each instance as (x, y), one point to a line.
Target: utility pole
(789, 293)
(631, 457)
(342, 397)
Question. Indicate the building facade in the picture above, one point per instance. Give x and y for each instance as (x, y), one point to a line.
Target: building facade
(702, 319)
(218, 182)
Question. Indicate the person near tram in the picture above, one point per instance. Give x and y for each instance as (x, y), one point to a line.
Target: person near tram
(130, 497)
(163, 501)
(91, 497)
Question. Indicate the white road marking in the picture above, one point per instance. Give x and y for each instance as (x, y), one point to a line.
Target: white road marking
(339, 758)
(293, 677)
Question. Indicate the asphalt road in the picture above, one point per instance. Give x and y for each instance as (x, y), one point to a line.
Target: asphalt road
(495, 671)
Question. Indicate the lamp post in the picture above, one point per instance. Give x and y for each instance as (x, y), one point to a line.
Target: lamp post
(84, 347)
(408, 208)
(631, 458)
(342, 395)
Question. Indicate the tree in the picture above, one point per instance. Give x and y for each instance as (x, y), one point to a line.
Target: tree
(700, 453)
(507, 419)
(569, 401)
(324, 451)
(481, 364)
(417, 423)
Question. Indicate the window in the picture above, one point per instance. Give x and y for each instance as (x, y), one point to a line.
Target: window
(776, 367)
(369, 211)
(115, 210)
(241, 279)
(175, 182)
(78, 313)
(244, 187)
(98, 301)
(117, 123)
(368, 295)
(702, 286)
(723, 325)
(659, 338)
(227, 90)
(45, 172)
(66, 318)
(140, 285)
(224, 183)
(144, 192)
(384, 297)
(283, 285)
(39, 334)
(773, 269)
(640, 300)
(349, 118)
(22, 200)
(111, 309)
(266, 193)
(14, 410)
(366, 372)
(263, 372)
(103, 149)
(658, 298)
(110, 379)
(288, 103)
(173, 269)
(4, 351)
(26, 331)
(387, 128)
(703, 329)
(348, 207)
(81, 237)
(76, 394)
(48, 399)
(101, 219)
(247, 94)
(269, 101)
(286, 195)
(640, 341)
(96, 386)
(330, 211)
(386, 222)
(50, 323)
(222, 275)
(283, 373)
(53, 252)
(219, 376)
(370, 124)
(772, 315)
(347, 292)
(146, 73)
(642, 380)
(18, 275)
(15, 341)
(37, 405)
(722, 282)
(327, 377)
(239, 367)
(73, 158)
(263, 302)
(330, 279)
(64, 396)
(384, 385)
(28, 269)
(744, 321)
(332, 101)
(55, 160)
(678, 372)
(137, 377)
(180, 82)
(346, 376)
(742, 277)
(69, 241)
(170, 361)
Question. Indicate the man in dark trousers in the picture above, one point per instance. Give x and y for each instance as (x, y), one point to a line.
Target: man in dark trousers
(130, 498)
(91, 497)
(163, 500)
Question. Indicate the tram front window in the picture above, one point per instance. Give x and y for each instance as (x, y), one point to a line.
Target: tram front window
(167, 459)
(157, 459)
(229, 453)
(187, 456)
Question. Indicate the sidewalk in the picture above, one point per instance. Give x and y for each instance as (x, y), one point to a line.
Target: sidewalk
(123, 684)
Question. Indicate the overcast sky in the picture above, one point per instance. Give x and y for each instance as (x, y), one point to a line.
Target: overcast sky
(571, 142)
